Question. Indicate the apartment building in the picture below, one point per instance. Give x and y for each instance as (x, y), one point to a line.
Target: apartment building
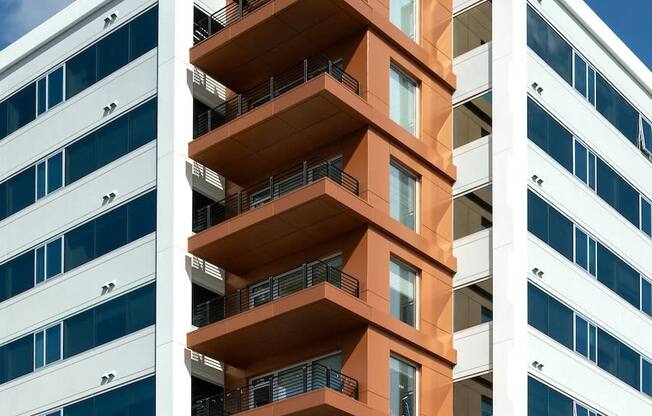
(552, 142)
(209, 208)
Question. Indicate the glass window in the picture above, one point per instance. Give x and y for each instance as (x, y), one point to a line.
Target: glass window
(537, 403)
(141, 308)
(18, 358)
(486, 406)
(112, 53)
(111, 231)
(403, 195)
(472, 212)
(403, 14)
(618, 276)
(55, 172)
(142, 125)
(39, 272)
(615, 108)
(83, 408)
(472, 120)
(78, 333)
(472, 28)
(20, 191)
(112, 142)
(560, 233)
(110, 320)
(81, 72)
(646, 296)
(591, 85)
(402, 284)
(646, 216)
(581, 249)
(21, 108)
(647, 136)
(39, 349)
(580, 75)
(403, 99)
(40, 180)
(402, 383)
(592, 170)
(54, 258)
(550, 316)
(80, 158)
(618, 193)
(618, 359)
(581, 336)
(53, 344)
(41, 93)
(647, 377)
(55, 87)
(143, 33)
(581, 162)
(550, 135)
(79, 246)
(141, 216)
(549, 45)
(3, 119)
(17, 275)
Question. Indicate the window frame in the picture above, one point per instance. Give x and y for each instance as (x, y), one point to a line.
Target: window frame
(417, 280)
(417, 21)
(402, 72)
(417, 191)
(417, 378)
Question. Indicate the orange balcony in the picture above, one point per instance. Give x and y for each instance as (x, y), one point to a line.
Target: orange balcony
(303, 108)
(304, 390)
(242, 42)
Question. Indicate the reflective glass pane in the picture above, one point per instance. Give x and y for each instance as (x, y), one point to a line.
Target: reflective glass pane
(593, 343)
(78, 333)
(646, 217)
(402, 191)
(55, 172)
(39, 271)
(561, 233)
(473, 212)
(39, 349)
(581, 164)
(55, 87)
(580, 75)
(141, 308)
(472, 29)
(112, 403)
(581, 336)
(592, 170)
(142, 125)
(402, 13)
(560, 322)
(80, 158)
(21, 108)
(41, 92)
(472, 120)
(402, 285)
(54, 257)
(111, 231)
(581, 410)
(616, 109)
(592, 256)
(18, 274)
(403, 100)
(549, 45)
(143, 398)
(40, 180)
(591, 86)
(581, 249)
(79, 246)
(110, 320)
(21, 190)
(402, 382)
(558, 404)
(112, 141)
(19, 357)
(537, 216)
(112, 52)
(141, 216)
(53, 344)
(81, 72)
(646, 386)
(646, 296)
(647, 136)
(83, 408)
(537, 403)
(3, 119)
(143, 33)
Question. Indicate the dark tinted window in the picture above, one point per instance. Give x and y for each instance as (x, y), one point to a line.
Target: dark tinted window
(537, 216)
(549, 45)
(141, 308)
(17, 275)
(111, 142)
(142, 216)
(618, 275)
(545, 401)
(78, 333)
(18, 358)
(111, 231)
(135, 399)
(80, 158)
(21, 108)
(143, 33)
(550, 135)
(110, 320)
(79, 246)
(550, 316)
(84, 408)
(41, 95)
(550, 225)
(112, 53)
(21, 191)
(580, 75)
(142, 125)
(81, 72)
(646, 387)
(55, 87)
(3, 119)
(618, 193)
(55, 172)
(616, 109)
(618, 359)
(581, 164)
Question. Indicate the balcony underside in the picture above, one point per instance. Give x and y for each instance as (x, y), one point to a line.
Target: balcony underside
(263, 42)
(302, 318)
(323, 402)
(284, 129)
(302, 218)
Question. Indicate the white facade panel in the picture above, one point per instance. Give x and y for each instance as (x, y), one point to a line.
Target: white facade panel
(473, 161)
(473, 255)
(128, 358)
(473, 71)
(473, 347)
(72, 205)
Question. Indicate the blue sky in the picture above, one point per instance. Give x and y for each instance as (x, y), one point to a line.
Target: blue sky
(630, 19)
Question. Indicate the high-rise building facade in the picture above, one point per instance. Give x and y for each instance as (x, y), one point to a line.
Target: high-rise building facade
(552, 142)
(210, 208)
(315, 207)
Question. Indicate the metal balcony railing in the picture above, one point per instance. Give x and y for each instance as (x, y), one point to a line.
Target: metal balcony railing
(277, 85)
(276, 287)
(287, 384)
(233, 12)
(272, 188)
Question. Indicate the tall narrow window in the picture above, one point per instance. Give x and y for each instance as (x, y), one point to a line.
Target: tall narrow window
(403, 14)
(403, 99)
(402, 385)
(403, 195)
(402, 285)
